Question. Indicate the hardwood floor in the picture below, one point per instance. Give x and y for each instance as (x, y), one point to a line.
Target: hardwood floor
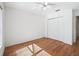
(50, 46)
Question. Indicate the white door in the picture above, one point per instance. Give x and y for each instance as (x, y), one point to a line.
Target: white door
(56, 28)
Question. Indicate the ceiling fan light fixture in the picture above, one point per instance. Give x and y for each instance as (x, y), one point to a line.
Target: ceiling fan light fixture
(44, 5)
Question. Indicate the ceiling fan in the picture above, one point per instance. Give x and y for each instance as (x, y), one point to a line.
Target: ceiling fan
(45, 5)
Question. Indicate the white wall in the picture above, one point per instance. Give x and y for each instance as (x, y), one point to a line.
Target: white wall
(1, 34)
(2, 39)
(73, 26)
(22, 26)
(68, 27)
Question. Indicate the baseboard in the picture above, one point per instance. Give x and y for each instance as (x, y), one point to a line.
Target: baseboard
(25, 41)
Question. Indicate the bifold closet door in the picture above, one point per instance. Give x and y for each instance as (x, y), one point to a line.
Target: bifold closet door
(56, 28)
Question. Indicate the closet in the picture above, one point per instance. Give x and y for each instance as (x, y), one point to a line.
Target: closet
(60, 25)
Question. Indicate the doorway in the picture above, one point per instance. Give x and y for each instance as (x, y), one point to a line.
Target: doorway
(77, 28)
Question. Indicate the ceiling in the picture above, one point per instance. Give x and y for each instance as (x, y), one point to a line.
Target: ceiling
(36, 8)
(25, 6)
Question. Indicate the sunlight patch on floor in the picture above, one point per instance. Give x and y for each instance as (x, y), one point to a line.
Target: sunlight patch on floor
(31, 50)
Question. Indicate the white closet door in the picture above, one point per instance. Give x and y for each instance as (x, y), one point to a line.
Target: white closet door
(52, 28)
(61, 29)
(56, 28)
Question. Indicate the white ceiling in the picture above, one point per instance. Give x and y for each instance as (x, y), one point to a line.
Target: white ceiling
(35, 8)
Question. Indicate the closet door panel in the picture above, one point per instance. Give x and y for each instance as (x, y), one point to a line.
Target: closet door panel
(56, 29)
(52, 28)
(61, 29)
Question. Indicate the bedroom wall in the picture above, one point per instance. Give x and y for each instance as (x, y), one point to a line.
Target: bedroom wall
(22, 26)
(2, 30)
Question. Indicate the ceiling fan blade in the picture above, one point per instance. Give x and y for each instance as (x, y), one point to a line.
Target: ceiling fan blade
(41, 3)
(51, 3)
